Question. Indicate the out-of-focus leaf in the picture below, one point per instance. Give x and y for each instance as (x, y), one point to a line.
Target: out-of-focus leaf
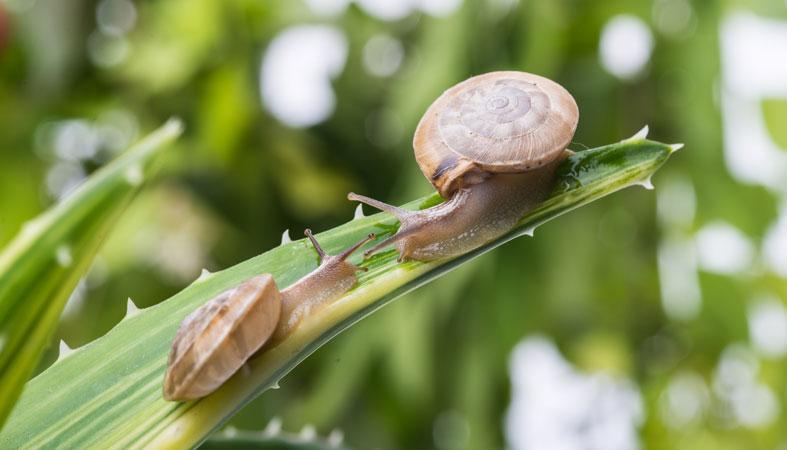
(273, 440)
(42, 265)
(774, 112)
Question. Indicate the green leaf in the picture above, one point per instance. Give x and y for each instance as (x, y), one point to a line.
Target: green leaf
(267, 439)
(108, 393)
(41, 266)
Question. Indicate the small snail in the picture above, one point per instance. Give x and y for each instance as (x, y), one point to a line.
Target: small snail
(490, 145)
(215, 341)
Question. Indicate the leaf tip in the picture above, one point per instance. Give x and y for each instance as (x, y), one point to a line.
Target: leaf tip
(64, 350)
(285, 237)
(675, 147)
(273, 428)
(358, 212)
(646, 183)
(174, 126)
(336, 438)
(641, 134)
(204, 275)
(308, 432)
(131, 308)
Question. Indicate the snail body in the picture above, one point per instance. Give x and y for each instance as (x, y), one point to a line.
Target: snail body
(490, 146)
(217, 339)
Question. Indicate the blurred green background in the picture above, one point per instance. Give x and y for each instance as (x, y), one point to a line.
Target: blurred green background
(646, 320)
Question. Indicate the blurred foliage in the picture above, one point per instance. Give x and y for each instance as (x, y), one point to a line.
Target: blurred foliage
(588, 281)
(231, 439)
(42, 266)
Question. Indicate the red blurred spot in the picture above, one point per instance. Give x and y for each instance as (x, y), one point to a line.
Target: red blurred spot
(5, 28)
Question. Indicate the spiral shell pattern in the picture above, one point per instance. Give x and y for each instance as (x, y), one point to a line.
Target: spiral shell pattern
(214, 341)
(499, 122)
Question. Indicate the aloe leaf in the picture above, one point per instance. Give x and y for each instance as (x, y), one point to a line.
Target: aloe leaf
(264, 443)
(108, 393)
(273, 439)
(41, 266)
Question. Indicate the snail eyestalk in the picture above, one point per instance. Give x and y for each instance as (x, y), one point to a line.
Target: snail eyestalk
(344, 255)
(395, 210)
(385, 243)
(320, 252)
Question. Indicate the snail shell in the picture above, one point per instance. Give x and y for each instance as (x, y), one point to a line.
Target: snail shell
(215, 341)
(498, 122)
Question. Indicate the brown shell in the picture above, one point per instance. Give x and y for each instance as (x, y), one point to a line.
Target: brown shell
(498, 122)
(214, 341)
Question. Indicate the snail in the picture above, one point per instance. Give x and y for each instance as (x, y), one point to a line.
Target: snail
(490, 145)
(217, 339)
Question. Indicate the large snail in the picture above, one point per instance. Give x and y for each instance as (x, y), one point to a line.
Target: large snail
(215, 341)
(490, 145)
